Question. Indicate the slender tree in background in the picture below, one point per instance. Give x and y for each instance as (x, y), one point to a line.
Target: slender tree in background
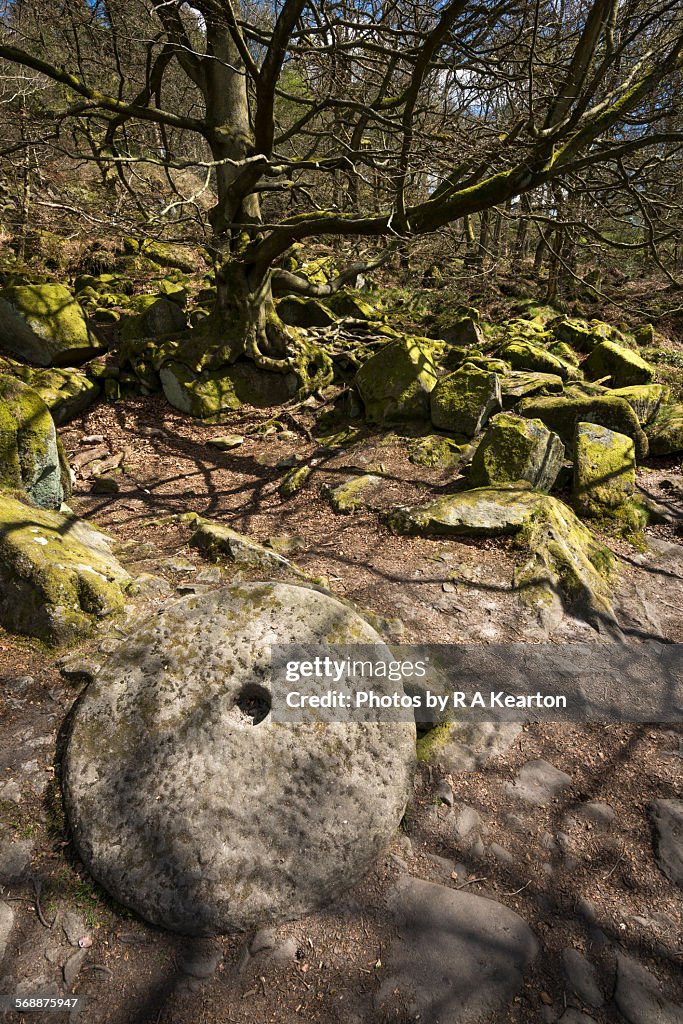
(358, 119)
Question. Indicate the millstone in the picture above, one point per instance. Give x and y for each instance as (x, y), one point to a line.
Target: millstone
(204, 819)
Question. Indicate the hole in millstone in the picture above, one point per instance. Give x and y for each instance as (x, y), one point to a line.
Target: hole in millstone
(254, 702)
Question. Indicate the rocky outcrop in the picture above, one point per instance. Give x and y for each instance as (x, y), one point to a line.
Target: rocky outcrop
(515, 448)
(395, 384)
(44, 324)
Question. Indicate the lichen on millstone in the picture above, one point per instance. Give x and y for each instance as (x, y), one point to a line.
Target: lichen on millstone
(665, 431)
(524, 355)
(57, 574)
(44, 324)
(518, 384)
(560, 547)
(202, 821)
(623, 366)
(644, 399)
(515, 448)
(29, 450)
(396, 382)
(462, 402)
(604, 470)
(561, 413)
(350, 496)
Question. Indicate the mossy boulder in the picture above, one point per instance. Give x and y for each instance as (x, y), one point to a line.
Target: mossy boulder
(645, 334)
(166, 254)
(623, 366)
(346, 303)
(462, 402)
(221, 543)
(152, 316)
(299, 312)
(29, 453)
(665, 431)
(524, 355)
(581, 335)
(351, 495)
(518, 384)
(395, 384)
(562, 551)
(564, 351)
(561, 413)
(57, 574)
(437, 452)
(644, 399)
(463, 331)
(67, 392)
(514, 448)
(213, 395)
(44, 324)
(293, 481)
(604, 470)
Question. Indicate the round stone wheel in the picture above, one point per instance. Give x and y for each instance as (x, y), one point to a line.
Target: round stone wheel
(205, 820)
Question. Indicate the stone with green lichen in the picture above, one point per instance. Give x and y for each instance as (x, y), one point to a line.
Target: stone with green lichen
(165, 254)
(515, 448)
(226, 442)
(220, 542)
(44, 324)
(644, 335)
(395, 384)
(665, 431)
(463, 331)
(66, 392)
(350, 495)
(559, 545)
(346, 303)
(29, 453)
(564, 351)
(492, 365)
(300, 312)
(518, 384)
(561, 413)
(213, 395)
(437, 452)
(604, 470)
(524, 355)
(623, 366)
(152, 316)
(580, 334)
(57, 574)
(294, 480)
(644, 399)
(175, 291)
(466, 746)
(462, 402)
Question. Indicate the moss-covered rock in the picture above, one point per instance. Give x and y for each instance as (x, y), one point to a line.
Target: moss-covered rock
(644, 399)
(462, 402)
(437, 452)
(220, 543)
(665, 431)
(152, 316)
(514, 448)
(213, 395)
(604, 470)
(560, 547)
(645, 334)
(395, 384)
(166, 254)
(350, 495)
(66, 392)
(620, 364)
(299, 312)
(524, 355)
(464, 330)
(294, 480)
(57, 574)
(518, 384)
(564, 351)
(29, 453)
(562, 413)
(44, 324)
(348, 303)
(581, 335)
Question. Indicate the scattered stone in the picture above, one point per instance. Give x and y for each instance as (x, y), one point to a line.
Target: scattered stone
(57, 574)
(395, 384)
(466, 746)
(105, 485)
(435, 451)
(538, 782)
(604, 470)
(212, 574)
(218, 541)
(666, 817)
(72, 967)
(74, 927)
(462, 402)
(44, 324)
(515, 448)
(29, 449)
(293, 481)
(465, 332)
(162, 757)
(562, 413)
(665, 431)
(620, 364)
(582, 978)
(518, 384)
(6, 925)
(226, 443)
(15, 858)
(300, 312)
(644, 399)
(284, 952)
(595, 812)
(457, 958)
(444, 793)
(639, 997)
(66, 392)
(265, 938)
(349, 496)
(467, 823)
(501, 854)
(582, 336)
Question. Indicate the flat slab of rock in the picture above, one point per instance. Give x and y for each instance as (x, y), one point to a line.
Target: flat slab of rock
(538, 782)
(195, 809)
(667, 819)
(457, 958)
(639, 997)
(219, 541)
(466, 746)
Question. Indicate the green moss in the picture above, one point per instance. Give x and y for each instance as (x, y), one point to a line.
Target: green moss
(433, 741)
(515, 448)
(561, 414)
(45, 325)
(28, 444)
(350, 495)
(604, 470)
(524, 355)
(396, 382)
(462, 402)
(622, 366)
(435, 451)
(644, 399)
(665, 431)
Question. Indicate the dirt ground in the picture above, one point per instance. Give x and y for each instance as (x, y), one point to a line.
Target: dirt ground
(439, 591)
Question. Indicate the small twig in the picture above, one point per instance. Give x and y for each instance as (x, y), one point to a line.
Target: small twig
(517, 891)
(98, 967)
(612, 870)
(470, 881)
(36, 889)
